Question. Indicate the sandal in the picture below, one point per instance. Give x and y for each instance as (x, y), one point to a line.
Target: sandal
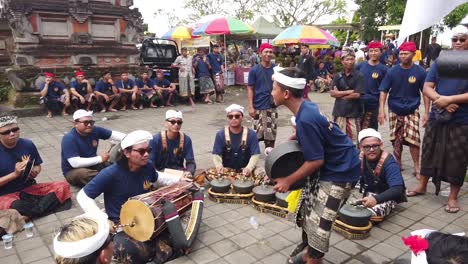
(297, 259)
(414, 193)
(452, 209)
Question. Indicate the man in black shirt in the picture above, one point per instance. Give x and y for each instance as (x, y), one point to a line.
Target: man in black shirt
(432, 52)
(307, 65)
(348, 86)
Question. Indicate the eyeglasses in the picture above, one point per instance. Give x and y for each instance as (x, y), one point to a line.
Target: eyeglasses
(7, 132)
(173, 122)
(87, 122)
(142, 151)
(462, 40)
(233, 116)
(369, 147)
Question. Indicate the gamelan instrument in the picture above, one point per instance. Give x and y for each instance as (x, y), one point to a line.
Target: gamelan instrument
(267, 200)
(353, 221)
(145, 216)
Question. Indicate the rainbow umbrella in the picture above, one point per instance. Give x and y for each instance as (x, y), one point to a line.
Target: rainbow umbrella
(178, 33)
(309, 35)
(223, 26)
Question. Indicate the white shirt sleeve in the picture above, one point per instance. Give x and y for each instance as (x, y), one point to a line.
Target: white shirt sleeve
(117, 136)
(165, 179)
(78, 162)
(86, 203)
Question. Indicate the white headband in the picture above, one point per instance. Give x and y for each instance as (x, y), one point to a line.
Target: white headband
(296, 83)
(84, 247)
(234, 107)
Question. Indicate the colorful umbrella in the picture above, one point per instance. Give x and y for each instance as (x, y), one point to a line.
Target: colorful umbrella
(309, 35)
(178, 33)
(223, 26)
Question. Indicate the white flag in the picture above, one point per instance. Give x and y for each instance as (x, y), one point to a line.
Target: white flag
(421, 14)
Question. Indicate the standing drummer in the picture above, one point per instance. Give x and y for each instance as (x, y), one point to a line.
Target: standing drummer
(328, 151)
(236, 146)
(133, 175)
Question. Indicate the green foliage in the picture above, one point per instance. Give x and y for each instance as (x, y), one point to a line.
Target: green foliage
(372, 14)
(341, 34)
(5, 89)
(456, 16)
(395, 10)
(338, 65)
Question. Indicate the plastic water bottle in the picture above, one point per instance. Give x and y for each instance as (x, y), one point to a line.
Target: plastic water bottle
(104, 119)
(254, 222)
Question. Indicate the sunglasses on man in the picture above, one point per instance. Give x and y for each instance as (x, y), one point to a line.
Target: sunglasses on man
(173, 122)
(7, 132)
(143, 151)
(230, 117)
(462, 40)
(87, 122)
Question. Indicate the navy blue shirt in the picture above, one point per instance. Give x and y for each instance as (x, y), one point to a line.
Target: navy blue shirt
(104, 87)
(216, 61)
(169, 159)
(140, 83)
(164, 83)
(390, 172)
(76, 145)
(8, 160)
(81, 88)
(321, 139)
(448, 87)
(404, 87)
(373, 76)
(260, 79)
(128, 85)
(236, 140)
(118, 184)
(54, 91)
(202, 68)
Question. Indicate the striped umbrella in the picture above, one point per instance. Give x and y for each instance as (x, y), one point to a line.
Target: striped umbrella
(223, 26)
(178, 33)
(309, 35)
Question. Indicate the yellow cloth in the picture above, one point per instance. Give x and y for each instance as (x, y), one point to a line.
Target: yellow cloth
(293, 200)
(417, 56)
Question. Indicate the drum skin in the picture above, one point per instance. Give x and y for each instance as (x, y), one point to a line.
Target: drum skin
(354, 215)
(283, 160)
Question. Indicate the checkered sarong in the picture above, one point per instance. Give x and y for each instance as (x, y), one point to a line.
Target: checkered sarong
(325, 206)
(405, 128)
(349, 126)
(264, 124)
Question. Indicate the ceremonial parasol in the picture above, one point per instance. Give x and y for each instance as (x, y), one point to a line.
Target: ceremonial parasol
(310, 35)
(179, 33)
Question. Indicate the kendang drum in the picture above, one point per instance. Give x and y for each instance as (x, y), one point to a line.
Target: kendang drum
(145, 216)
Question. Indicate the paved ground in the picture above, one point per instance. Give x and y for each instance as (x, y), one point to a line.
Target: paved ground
(226, 235)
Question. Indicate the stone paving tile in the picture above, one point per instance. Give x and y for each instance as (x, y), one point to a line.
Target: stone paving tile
(209, 237)
(391, 227)
(11, 259)
(380, 233)
(47, 219)
(240, 256)
(276, 258)
(349, 247)
(34, 254)
(278, 242)
(243, 240)
(29, 244)
(49, 260)
(203, 255)
(387, 250)
(277, 227)
(336, 256)
(261, 233)
(182, 260)
(372, 257)
(224, 247)
(215, 221)
(260, 250)
(396, 241)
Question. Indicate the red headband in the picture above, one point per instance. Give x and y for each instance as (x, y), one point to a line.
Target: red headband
(408, 46)
(79, 73)
(49, 75)
(375, 45)
(265, 46)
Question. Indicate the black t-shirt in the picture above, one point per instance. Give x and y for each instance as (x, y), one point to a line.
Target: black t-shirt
(344, 107)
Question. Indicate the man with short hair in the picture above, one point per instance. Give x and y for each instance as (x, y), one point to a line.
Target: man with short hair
(186, 73)
(129, 91)
(261, 107)
(202, 67)
(348, 86)
(381, 182)
(328, 152)
(432, 52)
(374, 72)
(132, 175)
(171, 148)
(403, 85)
(164, 89)
(236, 146)
(217, 72)
(55, 95)
(306, 64)
(20, 164)
(445, 145)
(80, 162)
(146, 92)
(107, 93)
(82, 92)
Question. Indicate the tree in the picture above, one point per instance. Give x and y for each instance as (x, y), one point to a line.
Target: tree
(341, 34)
(201, 8)
(372, 14)
(292, 12)
(456, 16)
(246, 10)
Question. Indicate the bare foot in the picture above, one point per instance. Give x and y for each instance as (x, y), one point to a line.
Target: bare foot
(123, 109)
(49, 115)
(141, 107)
(65, 114)
(103, 110)
(113, 110)
(134, 108)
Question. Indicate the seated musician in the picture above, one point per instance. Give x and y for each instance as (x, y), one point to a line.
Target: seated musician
(381, 180)
(20, 164)
(54, 95)
(172, 148)
(133, 175)
(86, 239)
(80, 162)
(81, 92)
(236, 146)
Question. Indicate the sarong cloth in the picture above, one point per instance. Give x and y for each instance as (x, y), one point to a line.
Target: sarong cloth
(350, 126)
(206, 85)
(370, 119)
(445, 153)
(404, 130)
(265, 124)
(219, 83)
(186, 86)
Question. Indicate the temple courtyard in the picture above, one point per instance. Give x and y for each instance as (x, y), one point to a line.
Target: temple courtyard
(225, 235)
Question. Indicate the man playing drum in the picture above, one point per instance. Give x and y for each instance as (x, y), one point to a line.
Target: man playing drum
(133, 175)
(171, 148)
(327, 151)
(236, 146)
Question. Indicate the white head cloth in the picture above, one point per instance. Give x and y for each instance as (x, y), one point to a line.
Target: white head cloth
(173, 114)
(296, 83)
(82, 113)
(293, 120)
(135, 137)
(460, 30)
(7, 120)
(234, 107)
(368, 132)
(421, 258)
(84, 247)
